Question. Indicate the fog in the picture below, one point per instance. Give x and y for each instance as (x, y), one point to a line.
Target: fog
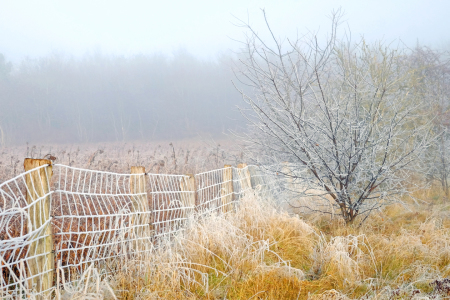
(30, 28)
(98, 71)
(99, 97)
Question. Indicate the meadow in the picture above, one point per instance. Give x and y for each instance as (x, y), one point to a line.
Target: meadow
(163, 157)
(260, 251)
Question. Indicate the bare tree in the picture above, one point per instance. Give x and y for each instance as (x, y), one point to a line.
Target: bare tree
(345, 116)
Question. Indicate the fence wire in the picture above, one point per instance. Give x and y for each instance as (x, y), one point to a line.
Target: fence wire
(172, 201)
(97, 219)
(104, 218)
(24, 227)
(215, 191)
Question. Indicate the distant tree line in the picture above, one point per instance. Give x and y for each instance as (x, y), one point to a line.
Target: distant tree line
(114, 98)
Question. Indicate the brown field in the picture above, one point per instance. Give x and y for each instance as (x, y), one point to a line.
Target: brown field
(400, 252)
(163, 157)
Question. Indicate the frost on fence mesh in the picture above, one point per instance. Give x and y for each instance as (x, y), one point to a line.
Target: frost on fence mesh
(99, 217)
(25, 248)
(221, 190)
(104, 218)
(215, 191)
(172, 201)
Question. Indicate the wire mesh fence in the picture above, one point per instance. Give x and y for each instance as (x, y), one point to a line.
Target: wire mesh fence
(97, 218)
(172, 201)
(74, 218)
(25, 223)
(215, 191)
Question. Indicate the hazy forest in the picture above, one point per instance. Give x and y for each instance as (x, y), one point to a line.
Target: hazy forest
(99, 98)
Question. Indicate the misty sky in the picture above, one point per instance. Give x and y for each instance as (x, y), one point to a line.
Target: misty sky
(204, 28)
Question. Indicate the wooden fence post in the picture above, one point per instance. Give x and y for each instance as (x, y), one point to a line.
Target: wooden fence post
(244, 177)
(38, 187)
(288, 174)
(140, 207)
(255, 177)
(188, 189)
(227, 188)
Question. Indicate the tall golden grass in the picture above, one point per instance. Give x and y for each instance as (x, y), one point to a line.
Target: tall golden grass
(400, 252)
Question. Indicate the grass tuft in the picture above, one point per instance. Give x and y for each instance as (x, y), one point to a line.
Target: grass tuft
(261, 253)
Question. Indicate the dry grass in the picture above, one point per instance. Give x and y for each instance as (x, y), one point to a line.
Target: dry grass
(164, 157)
(260, 253)
(400, 252)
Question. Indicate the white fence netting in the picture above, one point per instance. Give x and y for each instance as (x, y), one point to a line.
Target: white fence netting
(25, 258)
(100, 218)
(215, 191)
(172, 200)
(97, 218)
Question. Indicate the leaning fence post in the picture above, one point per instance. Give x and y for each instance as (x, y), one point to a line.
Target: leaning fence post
(187, 186)
(244, 177)
(227, 188)
(287, 173)
(40, 253)
(139, 207)
(255, 178)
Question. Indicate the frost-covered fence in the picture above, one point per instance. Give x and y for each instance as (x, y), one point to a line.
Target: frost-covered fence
(57, 220)
(26, 245)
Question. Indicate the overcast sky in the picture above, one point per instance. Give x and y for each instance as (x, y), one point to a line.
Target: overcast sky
(204, 28)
